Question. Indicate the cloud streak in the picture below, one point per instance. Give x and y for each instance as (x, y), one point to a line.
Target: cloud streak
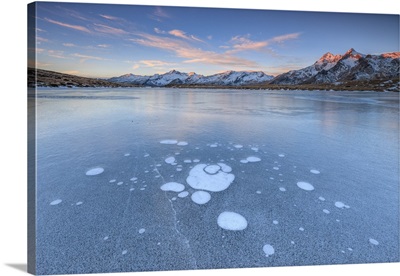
(109, 30)
(191, 54)
(182, 34)
(74, 27)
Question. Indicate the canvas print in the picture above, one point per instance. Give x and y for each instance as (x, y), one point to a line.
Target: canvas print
(181, 138)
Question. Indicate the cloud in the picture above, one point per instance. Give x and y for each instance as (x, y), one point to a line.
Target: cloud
(191, 55)
(158, 31)
(155, 63)
(243, 43)
(283, 38)
(84, 58)
(182, 34)
(70, 72)
(109, 17)
(74, 27)
(103, 45)
(41, 39)
(159, 14)
(109, 30)
(209, 37)
(56, 54)
(69, 45)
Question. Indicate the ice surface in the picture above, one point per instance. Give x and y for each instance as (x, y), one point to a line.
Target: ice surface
(305, 186)
(201, 197)
(268, 250)
(341, 205)
(170, 160)
(173, 187)
(201, 180)
(314, 171)
(373, 241)
(55, 202)
(182, 143)
(95, 171)
(232, 221)
(169, 142)
(253, 159)
(183, 194)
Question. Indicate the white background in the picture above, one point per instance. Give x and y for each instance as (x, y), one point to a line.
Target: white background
(13, 130)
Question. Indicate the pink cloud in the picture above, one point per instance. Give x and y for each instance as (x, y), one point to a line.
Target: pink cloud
(182, 34)
(109, 30)
(74, 27)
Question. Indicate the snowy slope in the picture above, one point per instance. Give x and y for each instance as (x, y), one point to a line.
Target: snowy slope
(348, 67)
(176, 77)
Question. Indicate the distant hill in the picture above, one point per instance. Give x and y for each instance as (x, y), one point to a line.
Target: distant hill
(44, 78)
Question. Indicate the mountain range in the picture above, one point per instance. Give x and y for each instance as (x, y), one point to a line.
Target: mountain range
(329, 69)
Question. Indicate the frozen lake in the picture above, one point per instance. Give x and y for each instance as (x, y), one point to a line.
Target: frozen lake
(170, 179)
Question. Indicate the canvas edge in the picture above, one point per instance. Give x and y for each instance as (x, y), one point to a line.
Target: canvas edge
(31, 140)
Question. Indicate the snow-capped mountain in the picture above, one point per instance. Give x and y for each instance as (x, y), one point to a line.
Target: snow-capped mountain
(351, 66)
(232, 78)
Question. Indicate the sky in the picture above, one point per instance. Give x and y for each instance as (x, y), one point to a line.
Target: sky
(100, 40)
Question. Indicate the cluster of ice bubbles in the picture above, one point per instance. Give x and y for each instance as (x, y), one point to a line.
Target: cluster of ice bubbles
(210, 178)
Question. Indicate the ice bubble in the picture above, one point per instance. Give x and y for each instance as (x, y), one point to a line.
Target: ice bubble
(146, 155)
(212, 169)
(170, 160)
(55, 202)
(254, 148)
(174, 198)
(112, 180)
(169, 142)
(187, 161)
(142, 189)
(79, 203)
(200, 180)
(127, 154)
(350, 249)
(105, 238)
(281, 155)
(238, 146)
(314, 171)
(244, 161)
(231, 221)
(305, 186)
(131, 189)
(224, 167)
(201, 197)
(142, 230)
(282, 189)
(276, 168)
(374, 242)
(173, 187)
(321, 198)
(275, 222)
(292, 242)
(268, 250)
(124, 252)
(196, 160)
(213, 145)
(120, 183)
(326, 211)
(95, 171)
(253, 159)
(301, 229)
(178, 169)
(183, 194)
(341, 205)
(258, 192)
(182, 143)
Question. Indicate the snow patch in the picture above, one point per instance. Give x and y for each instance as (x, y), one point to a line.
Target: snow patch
(173, 187)
(95, 171)
(374, 242)
(56, 202)
(182, 143)
(305, 186)
(232, 221)
(268, 250)
(201, 197)
(253, 159)
(314, 171)
(169, 142)
(341, 205)
(199, 179)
